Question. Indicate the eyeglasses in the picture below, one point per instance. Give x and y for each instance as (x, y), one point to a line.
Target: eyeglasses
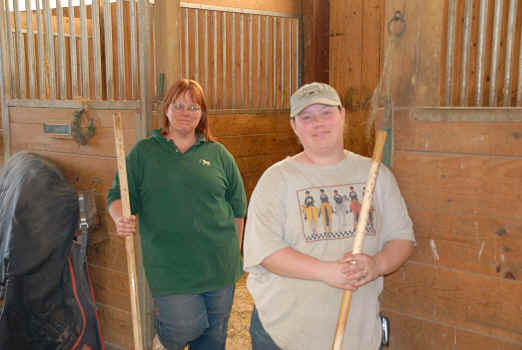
(178, 106)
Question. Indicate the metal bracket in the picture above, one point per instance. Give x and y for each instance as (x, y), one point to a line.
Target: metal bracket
(57, 129)
(397, 17)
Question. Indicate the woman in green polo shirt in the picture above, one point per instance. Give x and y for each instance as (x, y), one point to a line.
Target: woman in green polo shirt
(188, 193)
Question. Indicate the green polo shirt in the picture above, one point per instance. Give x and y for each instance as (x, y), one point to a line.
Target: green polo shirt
(186, 204)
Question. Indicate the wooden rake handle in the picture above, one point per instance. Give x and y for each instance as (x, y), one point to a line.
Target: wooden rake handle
(359, 234)
(129, 240)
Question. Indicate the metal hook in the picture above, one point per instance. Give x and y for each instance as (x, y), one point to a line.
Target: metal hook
(397, 17)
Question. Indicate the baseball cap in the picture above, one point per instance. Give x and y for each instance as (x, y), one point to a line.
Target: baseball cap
(312, 93)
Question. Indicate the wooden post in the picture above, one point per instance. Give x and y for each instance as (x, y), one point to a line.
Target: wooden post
(316, 18)
(6, 129)
(359, 234)
(129, 240)
(167, 39)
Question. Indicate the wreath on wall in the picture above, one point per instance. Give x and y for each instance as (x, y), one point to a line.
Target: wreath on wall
(79, 135)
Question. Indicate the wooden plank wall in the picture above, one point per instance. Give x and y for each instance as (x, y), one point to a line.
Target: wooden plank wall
(462, 181)
(356, 55)
(255, 140)
(90, 167)
(462, 288)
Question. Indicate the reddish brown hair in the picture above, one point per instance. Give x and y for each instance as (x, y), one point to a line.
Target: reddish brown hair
(197, 95)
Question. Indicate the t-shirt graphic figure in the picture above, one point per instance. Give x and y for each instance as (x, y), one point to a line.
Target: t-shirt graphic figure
(355, 206)
(310, 211)
(340, 210)
(326, 211)
(370, 226)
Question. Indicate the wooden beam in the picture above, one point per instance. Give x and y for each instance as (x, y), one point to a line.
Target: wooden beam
(316, 18)
(457, 133)
(5, 113)
(167, 29)
(417, 59)
(129, 240)
(284, 7)
(491, 114)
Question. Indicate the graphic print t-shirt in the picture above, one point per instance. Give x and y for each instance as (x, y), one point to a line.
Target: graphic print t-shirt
(314, 209)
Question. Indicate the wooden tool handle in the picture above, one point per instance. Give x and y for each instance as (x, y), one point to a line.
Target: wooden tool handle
(129, 240)
(359, 234)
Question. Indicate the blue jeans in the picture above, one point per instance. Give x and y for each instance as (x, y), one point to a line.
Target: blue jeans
(261, 340)
(199, 320)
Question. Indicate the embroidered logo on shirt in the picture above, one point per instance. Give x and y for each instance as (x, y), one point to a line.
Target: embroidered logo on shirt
(204, 162)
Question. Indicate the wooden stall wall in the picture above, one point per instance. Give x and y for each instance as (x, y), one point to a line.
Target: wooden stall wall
(482, 54)
(460, 171)
(356, 58)
(255, 140)
(90, 167)
(244, 58)
(126, 85)
(257, 131)
(462, 182)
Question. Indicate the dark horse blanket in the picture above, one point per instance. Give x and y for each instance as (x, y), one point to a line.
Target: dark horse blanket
(48, 302)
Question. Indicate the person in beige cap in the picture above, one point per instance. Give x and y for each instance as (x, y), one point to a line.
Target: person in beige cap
(297, 274)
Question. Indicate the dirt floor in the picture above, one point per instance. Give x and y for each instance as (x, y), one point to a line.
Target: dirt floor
(238, 336)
